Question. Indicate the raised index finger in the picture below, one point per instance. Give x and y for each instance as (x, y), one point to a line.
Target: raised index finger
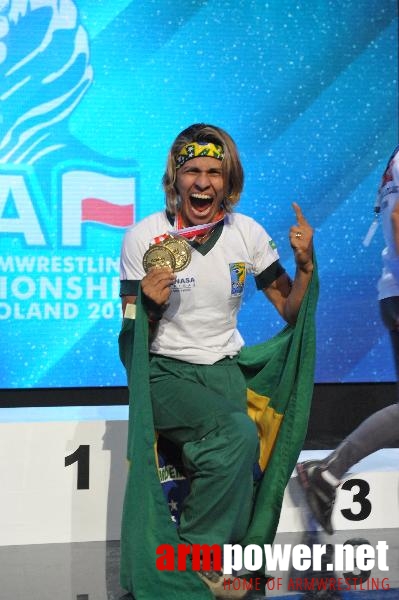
(299, 215)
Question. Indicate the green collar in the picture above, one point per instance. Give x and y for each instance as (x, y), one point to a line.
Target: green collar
(210, 242)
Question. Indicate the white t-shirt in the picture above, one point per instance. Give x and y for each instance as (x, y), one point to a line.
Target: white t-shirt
(388, 284)
(200, 323)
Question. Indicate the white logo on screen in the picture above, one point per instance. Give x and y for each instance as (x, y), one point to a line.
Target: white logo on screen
(42, 79)
(44, 75)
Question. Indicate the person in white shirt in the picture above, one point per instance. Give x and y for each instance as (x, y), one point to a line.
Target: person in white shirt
(320, 479)
(192, 295)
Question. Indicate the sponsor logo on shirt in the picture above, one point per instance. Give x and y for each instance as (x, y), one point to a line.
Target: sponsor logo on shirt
(183, 284)
(237, 275)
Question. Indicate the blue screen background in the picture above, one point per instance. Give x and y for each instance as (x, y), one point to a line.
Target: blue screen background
(91, 98)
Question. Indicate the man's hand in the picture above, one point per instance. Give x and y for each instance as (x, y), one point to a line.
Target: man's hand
(301, 240)
(395, 225)
(156, 286)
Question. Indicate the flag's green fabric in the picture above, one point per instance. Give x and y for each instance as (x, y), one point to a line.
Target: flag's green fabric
(282, 370)
(279, 376)
(146, 521)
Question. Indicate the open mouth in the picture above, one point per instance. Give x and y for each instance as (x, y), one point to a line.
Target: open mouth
(201, 202)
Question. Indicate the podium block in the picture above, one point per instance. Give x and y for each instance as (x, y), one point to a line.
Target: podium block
(63, 480)
(367, 498)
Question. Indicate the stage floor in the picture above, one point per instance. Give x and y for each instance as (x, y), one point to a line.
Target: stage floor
(90, 571)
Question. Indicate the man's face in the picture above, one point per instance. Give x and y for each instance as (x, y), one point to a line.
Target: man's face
(200, 185)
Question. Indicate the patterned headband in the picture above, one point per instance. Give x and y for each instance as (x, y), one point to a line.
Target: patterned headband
(195, 149)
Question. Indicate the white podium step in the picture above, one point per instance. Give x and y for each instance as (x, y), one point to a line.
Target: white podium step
(63, 476)
(367, 498)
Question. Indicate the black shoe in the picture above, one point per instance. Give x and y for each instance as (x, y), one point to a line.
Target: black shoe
(320, 494)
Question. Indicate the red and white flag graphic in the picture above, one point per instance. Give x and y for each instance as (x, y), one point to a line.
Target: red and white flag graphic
(96, 210)
(90, 197)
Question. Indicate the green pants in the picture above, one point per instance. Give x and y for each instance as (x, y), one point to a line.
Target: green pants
(202, 409)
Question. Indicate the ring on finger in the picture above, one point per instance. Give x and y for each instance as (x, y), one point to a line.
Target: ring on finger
(298, 234)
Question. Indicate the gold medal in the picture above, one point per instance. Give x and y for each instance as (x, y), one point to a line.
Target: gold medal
(158, 255)
(181, 251)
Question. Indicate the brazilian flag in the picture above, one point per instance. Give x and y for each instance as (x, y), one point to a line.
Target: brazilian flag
(279, 375)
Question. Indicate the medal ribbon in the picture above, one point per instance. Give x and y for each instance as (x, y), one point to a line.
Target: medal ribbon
(160, 238)
(190, 233)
